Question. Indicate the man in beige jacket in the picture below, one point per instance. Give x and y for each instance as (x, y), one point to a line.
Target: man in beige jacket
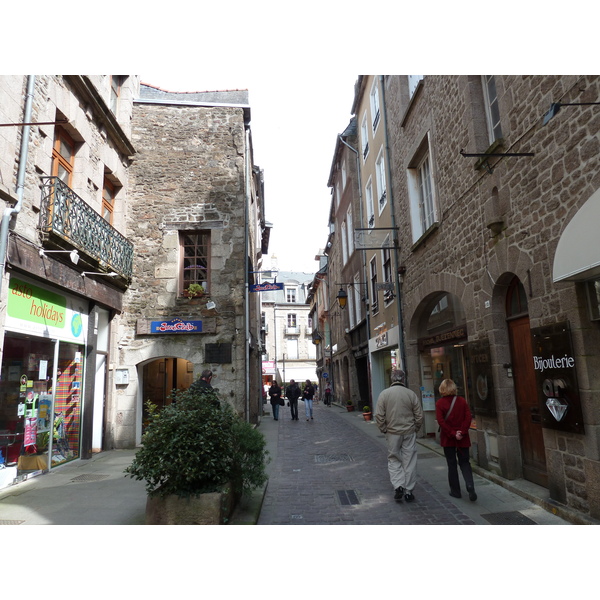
(399, 416)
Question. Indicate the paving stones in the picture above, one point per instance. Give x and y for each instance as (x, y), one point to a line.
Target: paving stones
(327, 472)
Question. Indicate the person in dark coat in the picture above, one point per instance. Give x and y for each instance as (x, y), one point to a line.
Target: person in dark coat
(275, 394)
(292, 393)
(307, 395)
(454, 418)
(203, 385)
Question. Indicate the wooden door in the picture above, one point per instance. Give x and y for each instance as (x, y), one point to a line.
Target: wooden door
(528, 407)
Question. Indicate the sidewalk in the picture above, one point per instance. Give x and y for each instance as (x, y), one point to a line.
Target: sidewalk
(82, 492)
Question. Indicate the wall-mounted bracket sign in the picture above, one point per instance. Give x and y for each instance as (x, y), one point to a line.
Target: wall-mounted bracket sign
(178, 325)
(556, 377)
(266, 287)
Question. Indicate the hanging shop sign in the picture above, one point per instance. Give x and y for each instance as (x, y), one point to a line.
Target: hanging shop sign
(480, 378)
(266, 287)
(381, 340)
(555, 369)
(39, 310)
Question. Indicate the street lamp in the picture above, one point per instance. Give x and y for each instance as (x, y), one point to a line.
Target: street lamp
(342, 298)
(316, 338)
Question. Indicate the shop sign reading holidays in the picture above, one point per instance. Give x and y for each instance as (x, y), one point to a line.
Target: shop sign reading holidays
(37, 310)
(556, 378)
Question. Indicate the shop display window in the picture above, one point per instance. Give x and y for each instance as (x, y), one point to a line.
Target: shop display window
(40, 423)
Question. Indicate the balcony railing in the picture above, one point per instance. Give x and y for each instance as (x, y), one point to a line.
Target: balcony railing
(64, 214)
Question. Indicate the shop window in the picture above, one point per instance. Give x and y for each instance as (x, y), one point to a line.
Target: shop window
(442, 336)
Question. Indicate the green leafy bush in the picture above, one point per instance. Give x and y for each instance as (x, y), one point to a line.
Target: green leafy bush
(195, 446)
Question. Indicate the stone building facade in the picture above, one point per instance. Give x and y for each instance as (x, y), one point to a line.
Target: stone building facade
(287, 328)
(65, 151)
(495, 196)
(196, 215)
(347, 316)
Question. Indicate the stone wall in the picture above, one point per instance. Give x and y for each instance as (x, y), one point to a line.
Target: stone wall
(532, 198)
(188, 174)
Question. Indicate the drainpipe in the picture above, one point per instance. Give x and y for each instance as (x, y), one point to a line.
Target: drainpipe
(395, 231)
(246, 283)
(10, 212)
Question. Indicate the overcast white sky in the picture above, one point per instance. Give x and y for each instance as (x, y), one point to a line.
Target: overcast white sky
(295, 119)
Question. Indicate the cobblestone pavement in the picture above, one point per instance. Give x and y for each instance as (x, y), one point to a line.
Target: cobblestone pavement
(328, 472)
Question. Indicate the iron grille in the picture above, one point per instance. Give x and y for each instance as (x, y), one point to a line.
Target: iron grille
(64, 214)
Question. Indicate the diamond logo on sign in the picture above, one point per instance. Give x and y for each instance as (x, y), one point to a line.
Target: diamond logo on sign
(557, 408)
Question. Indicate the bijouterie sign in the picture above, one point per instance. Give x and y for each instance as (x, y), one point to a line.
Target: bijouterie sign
(556, 378)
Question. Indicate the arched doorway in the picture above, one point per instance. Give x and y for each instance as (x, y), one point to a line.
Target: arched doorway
(160, 377)
(533, 453)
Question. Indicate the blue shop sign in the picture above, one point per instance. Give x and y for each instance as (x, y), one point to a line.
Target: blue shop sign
(176, 326)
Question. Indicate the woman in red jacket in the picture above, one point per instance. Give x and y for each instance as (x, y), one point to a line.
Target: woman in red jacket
(454, 418)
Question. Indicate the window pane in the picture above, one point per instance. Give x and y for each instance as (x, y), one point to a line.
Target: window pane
(195, 258)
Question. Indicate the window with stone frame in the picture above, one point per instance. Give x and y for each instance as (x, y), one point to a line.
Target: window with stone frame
(492, 110)
(381, 185)
(375, 111)
(63, 156)
(108, 200)
(291, 294)
(116, 81)
(195, 259)
(369, 203)
(373, 281)
(421, 191)
(386, 266)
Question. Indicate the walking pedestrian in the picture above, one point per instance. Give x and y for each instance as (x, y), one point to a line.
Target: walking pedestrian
(276, 400)
(454, 418)
(307, 395)
(328, 396)
(292, 393)
(398, 415)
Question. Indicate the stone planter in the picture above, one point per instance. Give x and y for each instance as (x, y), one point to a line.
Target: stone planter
(350, 407)
(206, 509)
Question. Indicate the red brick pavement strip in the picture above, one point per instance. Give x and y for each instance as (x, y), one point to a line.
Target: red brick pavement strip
(316, 460)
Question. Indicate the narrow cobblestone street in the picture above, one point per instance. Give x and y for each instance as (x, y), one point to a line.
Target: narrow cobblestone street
(333, 470)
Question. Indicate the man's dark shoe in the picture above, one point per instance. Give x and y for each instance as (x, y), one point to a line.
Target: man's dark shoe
(398, 494)
(472, 494)
(455, 494)
(409, 496)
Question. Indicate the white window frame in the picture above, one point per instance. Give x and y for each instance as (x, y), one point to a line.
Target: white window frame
(369, 204)
(421, 191)
(364, 137)
(413, 82)
(344, 244)
(375, 108)
(350, 232)
(344, 174)
(291, 292)
(373, 285)
(381, 184)
(358, 298)
(292, 348)
(386, 268)
(492, 110)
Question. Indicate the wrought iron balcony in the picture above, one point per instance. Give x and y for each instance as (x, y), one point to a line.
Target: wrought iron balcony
(64, 214)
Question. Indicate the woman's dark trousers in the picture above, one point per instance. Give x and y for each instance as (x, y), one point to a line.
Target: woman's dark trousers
(462, 454)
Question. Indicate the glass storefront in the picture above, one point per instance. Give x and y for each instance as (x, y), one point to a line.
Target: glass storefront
(41, 380)
(443, 334)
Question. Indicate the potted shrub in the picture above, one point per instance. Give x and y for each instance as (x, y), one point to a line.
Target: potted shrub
(367, 414)
(197, 458)
(349, 406)
(194, 290)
